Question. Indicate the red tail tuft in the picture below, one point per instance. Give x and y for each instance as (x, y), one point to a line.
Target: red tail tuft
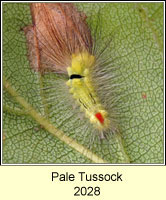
(99, 117)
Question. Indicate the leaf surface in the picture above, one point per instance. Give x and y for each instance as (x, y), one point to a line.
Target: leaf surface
(32, 134)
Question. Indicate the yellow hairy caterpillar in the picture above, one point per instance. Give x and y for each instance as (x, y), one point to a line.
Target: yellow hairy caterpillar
(83, 91)
(63, 44)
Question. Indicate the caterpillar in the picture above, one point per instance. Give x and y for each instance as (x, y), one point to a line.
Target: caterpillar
(64, 44)
(83, 91)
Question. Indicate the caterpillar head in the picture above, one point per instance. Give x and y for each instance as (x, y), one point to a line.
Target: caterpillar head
(81, 63)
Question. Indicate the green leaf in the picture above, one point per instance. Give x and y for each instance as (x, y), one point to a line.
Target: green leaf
(36, 132)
